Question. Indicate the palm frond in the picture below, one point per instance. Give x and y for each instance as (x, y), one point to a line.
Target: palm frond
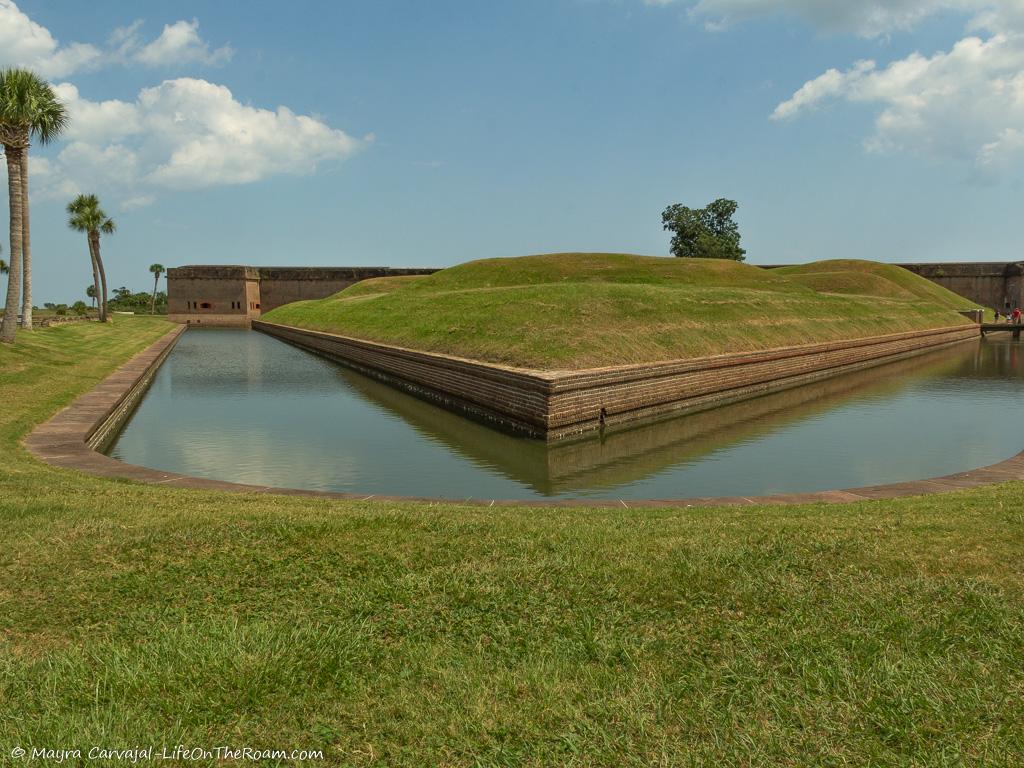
(29, 107)
(51, 119)
(86, 215)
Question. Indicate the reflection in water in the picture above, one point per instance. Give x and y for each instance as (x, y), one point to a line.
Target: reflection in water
(240, 406)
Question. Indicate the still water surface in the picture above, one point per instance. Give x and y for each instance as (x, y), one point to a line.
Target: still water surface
(240, 406)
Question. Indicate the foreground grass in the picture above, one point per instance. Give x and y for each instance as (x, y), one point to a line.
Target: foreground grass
(407, 634)
(580, 310)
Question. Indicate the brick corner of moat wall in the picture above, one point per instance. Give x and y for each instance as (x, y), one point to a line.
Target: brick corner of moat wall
(553, 406)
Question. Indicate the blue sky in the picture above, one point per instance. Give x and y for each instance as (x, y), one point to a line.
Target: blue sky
(426, 134)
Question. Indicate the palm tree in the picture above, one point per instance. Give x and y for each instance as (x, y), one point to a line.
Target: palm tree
(157, 270)
(90, 291)
(80, 220)
(85, 215)
(4, 269)
(28, 108)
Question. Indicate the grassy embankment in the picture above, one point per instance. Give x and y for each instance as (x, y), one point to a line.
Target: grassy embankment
(568, 311)
(404, 634)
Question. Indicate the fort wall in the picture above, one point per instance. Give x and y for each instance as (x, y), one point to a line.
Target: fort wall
(993, 285)
(237, 295)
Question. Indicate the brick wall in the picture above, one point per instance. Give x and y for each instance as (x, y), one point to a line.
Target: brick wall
(556, 405)
(235, 295)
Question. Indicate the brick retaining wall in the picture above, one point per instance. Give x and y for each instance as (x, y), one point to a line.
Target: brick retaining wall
(554, 404)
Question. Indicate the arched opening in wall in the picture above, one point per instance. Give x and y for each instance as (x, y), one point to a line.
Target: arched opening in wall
(205, 305)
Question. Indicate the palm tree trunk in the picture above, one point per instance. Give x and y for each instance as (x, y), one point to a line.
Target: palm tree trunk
(95, 272)
(9, 327)
(156, 284)
(26, 249)
(103, 278)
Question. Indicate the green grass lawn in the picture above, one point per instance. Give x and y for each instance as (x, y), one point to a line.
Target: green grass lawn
(881, 634)
(580, 310)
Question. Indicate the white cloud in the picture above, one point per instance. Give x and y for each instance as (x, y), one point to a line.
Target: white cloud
(832, 83)
(965, 103)
(217, 140)
(139, 201)
(184, 134)
(24, 43)
(97, 121)
(111, 165)
(868, 18)
(48, 182)
(180, 43)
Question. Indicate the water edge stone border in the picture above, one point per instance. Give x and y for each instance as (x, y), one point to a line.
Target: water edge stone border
(66, 440)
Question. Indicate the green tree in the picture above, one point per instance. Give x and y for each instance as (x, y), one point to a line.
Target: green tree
(79, 308)
(91, 293)
(28, 108)
(704, 233)
(86, 215)
(156, 270)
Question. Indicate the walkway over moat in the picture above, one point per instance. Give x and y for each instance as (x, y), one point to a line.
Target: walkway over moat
(1015, 328)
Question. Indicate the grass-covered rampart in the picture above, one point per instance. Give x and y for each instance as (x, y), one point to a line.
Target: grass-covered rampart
(575, 310)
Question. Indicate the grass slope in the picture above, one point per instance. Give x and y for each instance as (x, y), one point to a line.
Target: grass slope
(846, 275)
(885, 633)
(569, 311)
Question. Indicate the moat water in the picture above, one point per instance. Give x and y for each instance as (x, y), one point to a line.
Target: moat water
(241, 406)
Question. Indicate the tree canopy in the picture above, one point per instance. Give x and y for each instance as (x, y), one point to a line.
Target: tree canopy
(86, 215)
(704, 233)
(29, 107)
